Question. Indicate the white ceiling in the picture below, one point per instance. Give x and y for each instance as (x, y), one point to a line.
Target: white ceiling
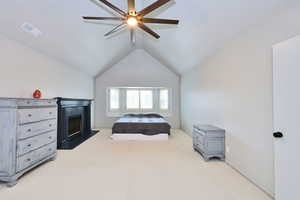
(205, 25)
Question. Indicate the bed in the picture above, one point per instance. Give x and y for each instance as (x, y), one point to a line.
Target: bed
(141, 127)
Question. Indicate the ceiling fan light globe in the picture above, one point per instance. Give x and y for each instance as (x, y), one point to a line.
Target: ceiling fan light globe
(132, 21)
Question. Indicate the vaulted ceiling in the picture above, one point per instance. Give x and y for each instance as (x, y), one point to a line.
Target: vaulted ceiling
(205, 25)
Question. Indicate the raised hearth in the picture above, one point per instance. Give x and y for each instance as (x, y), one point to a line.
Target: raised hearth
(74, 122)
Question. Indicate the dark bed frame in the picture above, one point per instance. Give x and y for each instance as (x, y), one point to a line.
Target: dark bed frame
(146, 124)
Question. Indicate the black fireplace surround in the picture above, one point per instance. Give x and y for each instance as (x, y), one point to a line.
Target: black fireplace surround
(74, 122)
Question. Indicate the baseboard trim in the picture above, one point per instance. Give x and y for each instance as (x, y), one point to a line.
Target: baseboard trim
(256, 185)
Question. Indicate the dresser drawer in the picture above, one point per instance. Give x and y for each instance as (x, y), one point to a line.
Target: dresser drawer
(34, 103)
(36, 114)
(35, 156)
(27, 145)
(29, 130)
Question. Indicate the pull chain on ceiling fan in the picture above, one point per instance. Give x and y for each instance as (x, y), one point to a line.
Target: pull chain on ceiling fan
(134, 19)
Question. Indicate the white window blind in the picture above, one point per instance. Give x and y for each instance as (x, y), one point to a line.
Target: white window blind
(146, 99)
(114, 98)
(132, 99)
(164, 99)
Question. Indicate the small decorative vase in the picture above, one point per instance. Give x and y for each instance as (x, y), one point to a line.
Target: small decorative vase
(37, 94)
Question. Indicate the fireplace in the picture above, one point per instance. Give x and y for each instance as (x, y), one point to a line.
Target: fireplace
(74, 122)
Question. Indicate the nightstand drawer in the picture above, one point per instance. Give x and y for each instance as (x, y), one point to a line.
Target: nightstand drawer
(199, 136)
(30, 144)
(198, 132)
(200, 146)
(215, 146)
(29, 130)
(36, 114)
(35, 156)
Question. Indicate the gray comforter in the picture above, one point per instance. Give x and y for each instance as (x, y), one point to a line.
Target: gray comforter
(147, 124)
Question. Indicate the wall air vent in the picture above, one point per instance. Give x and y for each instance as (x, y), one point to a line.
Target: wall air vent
(29, 28)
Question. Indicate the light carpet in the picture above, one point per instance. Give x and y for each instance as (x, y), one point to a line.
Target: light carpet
(105, 169)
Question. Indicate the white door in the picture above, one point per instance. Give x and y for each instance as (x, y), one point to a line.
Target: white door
(286, 85)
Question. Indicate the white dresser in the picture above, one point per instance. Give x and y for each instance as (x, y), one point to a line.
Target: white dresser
(28, 135)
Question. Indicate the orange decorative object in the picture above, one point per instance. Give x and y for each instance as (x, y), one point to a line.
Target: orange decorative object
(37, 94)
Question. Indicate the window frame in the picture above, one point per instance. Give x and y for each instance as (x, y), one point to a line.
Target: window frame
(123, 102)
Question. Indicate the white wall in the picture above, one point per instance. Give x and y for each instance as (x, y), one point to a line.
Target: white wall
(138, 69)
(233, 90)
(23, 70)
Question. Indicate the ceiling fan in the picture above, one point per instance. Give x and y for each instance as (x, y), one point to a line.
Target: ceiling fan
(134, 19)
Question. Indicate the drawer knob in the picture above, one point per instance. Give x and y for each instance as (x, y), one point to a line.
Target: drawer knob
(28, 102)
(50, 137)
(29, 145)
(28, 159)
(50, 113)
(50, 125)
(29, 115)
(49, 149)
(29, 130)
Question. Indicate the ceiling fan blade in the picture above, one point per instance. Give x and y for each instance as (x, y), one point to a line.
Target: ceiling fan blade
(148, 30)
(131, 6)
(121, 12)
(160, 21)
(117, 28)
(152, 7)
(103, 18)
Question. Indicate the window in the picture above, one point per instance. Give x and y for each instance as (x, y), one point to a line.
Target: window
(139, 99)
(146, 99)
(132, 99)
(114, 99)
(123, 100)
(164, 99)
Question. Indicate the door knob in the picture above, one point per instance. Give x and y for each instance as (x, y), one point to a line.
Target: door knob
(278, 135)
